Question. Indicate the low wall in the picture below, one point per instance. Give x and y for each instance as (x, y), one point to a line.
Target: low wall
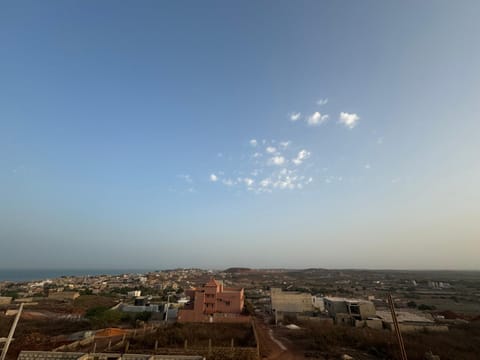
(214, 353)
(404, 327)
(75, 344)
(317, 319)
(189, 316)
(373, 324)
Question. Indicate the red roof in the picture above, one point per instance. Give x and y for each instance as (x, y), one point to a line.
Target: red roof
(212, 282)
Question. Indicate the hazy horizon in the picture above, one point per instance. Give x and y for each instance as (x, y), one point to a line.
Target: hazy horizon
(267, 134)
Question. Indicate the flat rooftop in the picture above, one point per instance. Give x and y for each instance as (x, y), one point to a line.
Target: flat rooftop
(341, 299)
(404, 316)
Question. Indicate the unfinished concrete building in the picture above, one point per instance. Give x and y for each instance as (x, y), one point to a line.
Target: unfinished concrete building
(409, 321)
(348, 311)
(5, 300)
(290, 303)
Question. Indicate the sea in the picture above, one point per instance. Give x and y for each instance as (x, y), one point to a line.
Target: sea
(22, 275)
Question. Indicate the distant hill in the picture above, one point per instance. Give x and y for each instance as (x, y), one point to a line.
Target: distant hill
(238, 270)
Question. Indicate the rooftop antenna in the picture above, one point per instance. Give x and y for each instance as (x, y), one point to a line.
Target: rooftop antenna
(12, 331)
(391, 305)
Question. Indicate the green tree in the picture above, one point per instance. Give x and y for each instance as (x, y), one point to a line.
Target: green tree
(412, 304)
(248, 308)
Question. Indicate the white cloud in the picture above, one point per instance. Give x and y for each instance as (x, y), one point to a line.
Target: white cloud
(367, 166)
(265, 182)
(269, 166)
(277, 160)
(322, 101)
(248, 181)
(187, 178)
(295, 116)
(301, 156)
(284, 144)
(228, 182)
(349, 120)
(316, 119)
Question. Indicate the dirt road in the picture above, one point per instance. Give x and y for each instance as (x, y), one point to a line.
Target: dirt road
(272, 348)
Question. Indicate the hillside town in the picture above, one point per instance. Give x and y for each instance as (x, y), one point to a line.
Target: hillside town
(241, 313)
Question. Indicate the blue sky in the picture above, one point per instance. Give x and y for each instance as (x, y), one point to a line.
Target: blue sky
(159, 134)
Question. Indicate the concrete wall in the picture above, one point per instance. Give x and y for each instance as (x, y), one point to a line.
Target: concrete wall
(230, 301)
(63, 295)
(358, 309)
(334, 307)
(318, 303)
(5, 300)
(413, 327)
(373, 324)
(367, 309)
(317, 319)
(186, 316)
(136, 308)
(190, 315)
(290, 302)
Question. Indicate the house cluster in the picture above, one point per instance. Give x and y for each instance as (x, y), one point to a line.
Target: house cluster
(345, 311)
(105, 283)
(212, 302)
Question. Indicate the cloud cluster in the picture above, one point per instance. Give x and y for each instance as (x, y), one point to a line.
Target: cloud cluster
(295, 116)
(349, 120)
(271, 165)
(301, 157)
(322, 102)
(278, 165)
(316, 119)
(276, 160)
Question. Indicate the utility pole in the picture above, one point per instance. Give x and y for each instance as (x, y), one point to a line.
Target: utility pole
(168, 306)
(12, 331)
(403, 353)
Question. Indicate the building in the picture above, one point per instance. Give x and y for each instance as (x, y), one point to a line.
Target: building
(213, 303)
(141, 308)
(318, 303)
(290, 303)
(348, 311)
(410, 321)
(5, 300)
(134, 293)
(63, 295)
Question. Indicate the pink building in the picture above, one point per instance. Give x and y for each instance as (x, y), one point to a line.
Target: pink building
(213, 303)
